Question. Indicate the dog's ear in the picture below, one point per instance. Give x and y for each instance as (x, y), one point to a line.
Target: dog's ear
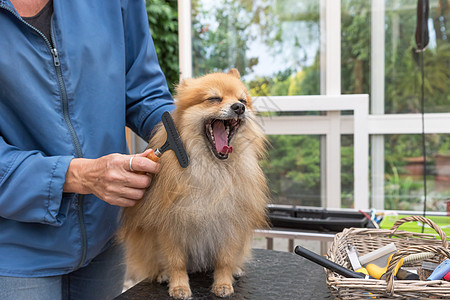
(182, 84)
(234, 72)
(184, 81)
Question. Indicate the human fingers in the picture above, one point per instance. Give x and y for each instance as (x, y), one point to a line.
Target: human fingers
(122, 202)
(117, 175)
(138, 180)
(140, 163)
(145, 153)
(122, 195)
(131, 193)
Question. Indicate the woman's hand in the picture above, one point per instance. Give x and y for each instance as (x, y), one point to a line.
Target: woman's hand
(110, 177)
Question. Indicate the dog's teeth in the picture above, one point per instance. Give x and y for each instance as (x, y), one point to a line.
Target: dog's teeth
(211, 132)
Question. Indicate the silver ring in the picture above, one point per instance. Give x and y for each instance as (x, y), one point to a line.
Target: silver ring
(131, 160)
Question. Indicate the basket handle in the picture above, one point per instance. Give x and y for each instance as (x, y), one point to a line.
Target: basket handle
(444, 251)
(423, 220)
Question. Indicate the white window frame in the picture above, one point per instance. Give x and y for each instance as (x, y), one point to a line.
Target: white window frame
(326, 125)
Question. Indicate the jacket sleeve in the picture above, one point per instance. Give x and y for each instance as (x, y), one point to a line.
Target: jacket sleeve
(31, 186)
(147, 93)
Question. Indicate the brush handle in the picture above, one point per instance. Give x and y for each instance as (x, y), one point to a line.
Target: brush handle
(440, 270)
(152, 156)
(327, 263)
(418, 257)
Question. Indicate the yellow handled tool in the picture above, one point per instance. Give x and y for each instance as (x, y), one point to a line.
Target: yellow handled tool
(376, 262)
(378, 267)
(354, 260)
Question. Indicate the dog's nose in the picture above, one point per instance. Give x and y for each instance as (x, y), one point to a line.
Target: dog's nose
(238, 108)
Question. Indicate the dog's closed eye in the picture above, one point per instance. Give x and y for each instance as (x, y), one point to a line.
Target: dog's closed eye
(214, 99)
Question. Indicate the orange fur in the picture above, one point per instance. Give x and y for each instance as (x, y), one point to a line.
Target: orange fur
(201, 217)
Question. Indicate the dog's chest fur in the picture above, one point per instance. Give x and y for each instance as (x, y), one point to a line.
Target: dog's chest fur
(207, 215)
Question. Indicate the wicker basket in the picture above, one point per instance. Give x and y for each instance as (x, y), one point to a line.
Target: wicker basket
(368, 240)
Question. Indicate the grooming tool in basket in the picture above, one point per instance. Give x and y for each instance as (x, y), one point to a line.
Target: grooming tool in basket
(412, 258)
(429, 266)
(447, 277)
(383, 251)
(440, 270)
(403, 274)
(376, 262)
(320, 260)
(354, 260)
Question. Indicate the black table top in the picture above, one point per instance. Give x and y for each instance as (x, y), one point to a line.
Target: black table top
(269, 275)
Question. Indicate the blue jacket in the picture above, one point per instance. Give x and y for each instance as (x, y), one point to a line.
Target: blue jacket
(70, 101)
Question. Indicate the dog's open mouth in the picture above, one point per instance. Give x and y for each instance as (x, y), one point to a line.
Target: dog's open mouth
(219, 133)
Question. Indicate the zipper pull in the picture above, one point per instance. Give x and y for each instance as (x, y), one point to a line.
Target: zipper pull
(56, 61)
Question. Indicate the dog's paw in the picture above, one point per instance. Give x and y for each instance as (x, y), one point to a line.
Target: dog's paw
(162, 277)
(238, 273)
(180, 292)
(222, 290)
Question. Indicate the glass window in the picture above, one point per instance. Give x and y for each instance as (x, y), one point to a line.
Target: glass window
(403, 72)
(355, 47)
(404, 185)
(293, 169)
(403, 157)
(273, 43)
(402, 92)
(275, 46)
(347, 175)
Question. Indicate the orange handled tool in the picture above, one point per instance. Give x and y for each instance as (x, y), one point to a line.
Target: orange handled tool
(152, 155)
(173, 142)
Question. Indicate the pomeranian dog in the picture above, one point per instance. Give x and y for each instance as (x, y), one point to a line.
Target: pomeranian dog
(202, 217)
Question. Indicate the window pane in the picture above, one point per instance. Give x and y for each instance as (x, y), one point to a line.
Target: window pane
(402, 92)
(404, 185)
(355, 47)
(403, 72)
(293, 169)
(274, 43)
(347, 174)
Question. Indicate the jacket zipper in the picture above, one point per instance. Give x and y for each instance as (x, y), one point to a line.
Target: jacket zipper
(65, 106)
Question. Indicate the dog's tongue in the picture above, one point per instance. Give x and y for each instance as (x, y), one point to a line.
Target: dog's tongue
(220, 136)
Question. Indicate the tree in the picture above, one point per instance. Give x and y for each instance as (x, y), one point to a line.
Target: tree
(163, 21)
